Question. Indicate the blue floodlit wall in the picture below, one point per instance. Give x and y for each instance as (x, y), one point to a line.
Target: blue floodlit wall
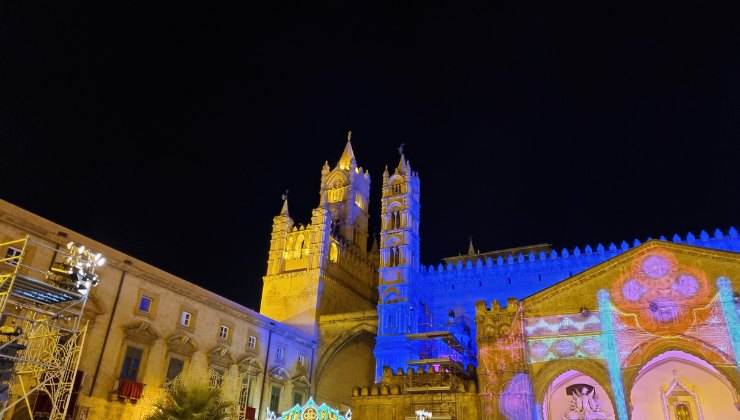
(437, 289)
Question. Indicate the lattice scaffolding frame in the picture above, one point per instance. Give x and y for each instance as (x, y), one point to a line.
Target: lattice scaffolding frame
(41, 309)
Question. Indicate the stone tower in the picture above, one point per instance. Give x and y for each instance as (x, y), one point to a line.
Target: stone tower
(399, 261)
(324, 267)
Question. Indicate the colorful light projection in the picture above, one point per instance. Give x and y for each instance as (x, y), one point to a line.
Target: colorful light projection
(729, 310)
(517, 400)
(583, 346)
(562, 324)
(311, 411)
(609, 343)
(662, 293)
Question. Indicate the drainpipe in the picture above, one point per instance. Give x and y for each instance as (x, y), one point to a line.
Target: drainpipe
(310, 370)
(107, 332)
(264, 374)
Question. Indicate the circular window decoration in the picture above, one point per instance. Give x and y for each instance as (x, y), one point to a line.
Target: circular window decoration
(539, 350)
(655, 266)
(590, 347)
(686, 285)
(564, 348)
(633, 290)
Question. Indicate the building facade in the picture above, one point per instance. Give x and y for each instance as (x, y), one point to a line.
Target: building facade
(629, 331)
(145, 327)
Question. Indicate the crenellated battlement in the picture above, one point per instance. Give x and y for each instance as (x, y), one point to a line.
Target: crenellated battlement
(718, 240)
(512, 305)
(437, 379)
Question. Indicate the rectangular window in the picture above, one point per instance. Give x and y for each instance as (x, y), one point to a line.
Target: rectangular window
(131, 363)
(280, 353)
(13, 253)
(145, 304)
(252, 342)
(224, 333)
(297, 398)
(174, 368)
(275, 399)
(301, 360)
(185, 318)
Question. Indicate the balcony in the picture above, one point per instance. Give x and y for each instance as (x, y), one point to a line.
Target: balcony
(130, 390)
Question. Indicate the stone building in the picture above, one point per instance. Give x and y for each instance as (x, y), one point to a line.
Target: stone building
(645, 329)
(146, 326)
(633, 330)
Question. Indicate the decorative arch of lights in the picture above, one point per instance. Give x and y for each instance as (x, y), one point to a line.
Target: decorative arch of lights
(311, 411)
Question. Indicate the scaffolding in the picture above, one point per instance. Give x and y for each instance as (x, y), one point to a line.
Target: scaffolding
(441, 372)
(41, 316)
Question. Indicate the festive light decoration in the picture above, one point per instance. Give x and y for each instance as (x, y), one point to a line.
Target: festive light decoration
(583, 346)
(311, 411)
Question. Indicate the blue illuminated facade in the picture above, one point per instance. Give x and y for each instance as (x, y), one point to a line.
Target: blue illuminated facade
(417, 302)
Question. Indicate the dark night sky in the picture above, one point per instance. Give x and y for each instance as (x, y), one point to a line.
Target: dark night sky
(180, 125)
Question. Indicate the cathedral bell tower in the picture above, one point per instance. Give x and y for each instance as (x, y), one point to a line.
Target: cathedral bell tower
(324, 267)
(399, 261)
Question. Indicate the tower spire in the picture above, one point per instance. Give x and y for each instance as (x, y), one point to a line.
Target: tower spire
(402, 163)
(348, 155)
(284, 211)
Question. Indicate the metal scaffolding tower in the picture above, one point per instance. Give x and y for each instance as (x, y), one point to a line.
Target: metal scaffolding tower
(441, 372)
(41, 320)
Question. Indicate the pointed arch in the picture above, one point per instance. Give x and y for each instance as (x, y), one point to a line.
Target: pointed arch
(362, 334)
(392, 242)
(336, 179)
(395, 179)
(554, 368)
(646, 352)
(391, 293)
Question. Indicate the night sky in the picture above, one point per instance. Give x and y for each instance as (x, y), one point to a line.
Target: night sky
(170, 131)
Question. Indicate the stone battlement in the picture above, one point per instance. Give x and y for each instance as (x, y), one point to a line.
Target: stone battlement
(719, 240)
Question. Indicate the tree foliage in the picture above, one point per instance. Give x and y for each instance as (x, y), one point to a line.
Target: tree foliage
(191, 402)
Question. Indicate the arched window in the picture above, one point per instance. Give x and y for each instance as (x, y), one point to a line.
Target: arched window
(333, 252)
(395, 220)
(299, 243)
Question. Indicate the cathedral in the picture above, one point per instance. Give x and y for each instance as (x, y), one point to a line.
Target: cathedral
(640, 330)
(637, 330)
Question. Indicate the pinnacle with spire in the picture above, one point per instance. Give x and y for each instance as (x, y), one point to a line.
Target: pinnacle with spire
(402, 164)
(471, 250)
(284, 211)
(348, 155)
